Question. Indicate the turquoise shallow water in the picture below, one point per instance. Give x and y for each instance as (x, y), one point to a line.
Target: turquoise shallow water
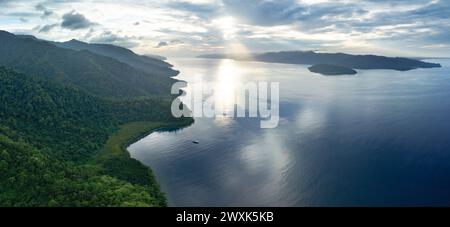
(380, 138)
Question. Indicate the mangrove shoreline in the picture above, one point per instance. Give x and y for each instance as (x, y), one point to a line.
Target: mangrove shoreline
(116, 160)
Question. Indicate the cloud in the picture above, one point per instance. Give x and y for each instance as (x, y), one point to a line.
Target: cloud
(5, 2)
(282, 12)
(108, 37)
(170, 43)
(162, 44)
(436, 46)
(260, 25)
(204, 10)
(45, 12)
(265, 13)
(47, 28)
(376, 21)
(176, 41)
(75, 21)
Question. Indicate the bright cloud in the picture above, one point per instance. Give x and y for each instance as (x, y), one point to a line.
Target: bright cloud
(190, 27)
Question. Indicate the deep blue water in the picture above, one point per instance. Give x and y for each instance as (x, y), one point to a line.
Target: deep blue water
(380, 138)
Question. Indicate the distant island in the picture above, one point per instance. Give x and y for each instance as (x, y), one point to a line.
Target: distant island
(335, 59)
(331, 70)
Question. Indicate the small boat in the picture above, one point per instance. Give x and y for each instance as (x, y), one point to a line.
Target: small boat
(195, 142)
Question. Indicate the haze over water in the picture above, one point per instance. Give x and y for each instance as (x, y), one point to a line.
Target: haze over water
(379, 138)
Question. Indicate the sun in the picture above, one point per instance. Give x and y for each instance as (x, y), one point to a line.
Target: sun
(228, 27)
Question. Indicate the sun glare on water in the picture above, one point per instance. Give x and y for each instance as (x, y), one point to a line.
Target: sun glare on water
(229, 75)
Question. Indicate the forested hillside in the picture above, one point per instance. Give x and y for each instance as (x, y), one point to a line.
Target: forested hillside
(56, 116)
(30, 177)
(46, 111)
(124, 55)
(95, 74)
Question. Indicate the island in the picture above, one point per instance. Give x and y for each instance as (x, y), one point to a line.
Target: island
(331, 70)
(336, 59)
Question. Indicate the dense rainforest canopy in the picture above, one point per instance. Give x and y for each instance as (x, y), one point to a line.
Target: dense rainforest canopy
(58, 109)
(93, 73)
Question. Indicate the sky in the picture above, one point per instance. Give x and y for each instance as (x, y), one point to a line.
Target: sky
(415, 28)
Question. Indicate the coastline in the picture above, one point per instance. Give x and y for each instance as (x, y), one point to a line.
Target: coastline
(115, 159)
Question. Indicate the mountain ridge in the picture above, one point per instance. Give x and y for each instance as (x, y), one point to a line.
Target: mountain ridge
(339, 59)
(142, 62)
(60, 107)
(96, 74)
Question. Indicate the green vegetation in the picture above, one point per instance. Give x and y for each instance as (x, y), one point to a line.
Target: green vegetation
(124, 55)
(94, 74)
(116, 161)
(331, 70)
(53, 152)
(30, 177)
(65, 124)
(127, 134)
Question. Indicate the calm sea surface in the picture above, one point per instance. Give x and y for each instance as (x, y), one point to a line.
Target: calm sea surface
(380, 138)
